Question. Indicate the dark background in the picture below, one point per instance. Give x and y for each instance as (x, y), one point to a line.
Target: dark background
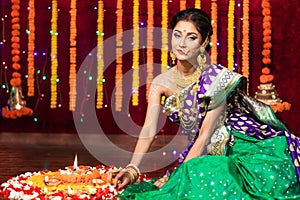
(284, 66)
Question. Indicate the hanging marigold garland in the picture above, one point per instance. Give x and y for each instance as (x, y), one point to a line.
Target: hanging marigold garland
(198, 4)
(267, 78)
(182, 5)
(15, 42)
(135, 62)
(267, 31)
(54, 61)
(150, 59)
(119, 61)
(245, 42)
(72, 73)
(16, 103)
(100, 56)
(31, 46)
(164, 36)
(230, 31)
(214, 37)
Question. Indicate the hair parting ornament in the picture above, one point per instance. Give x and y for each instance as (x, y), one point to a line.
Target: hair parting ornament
(189, 17)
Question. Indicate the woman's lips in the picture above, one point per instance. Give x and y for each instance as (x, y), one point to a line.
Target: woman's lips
(181, 52)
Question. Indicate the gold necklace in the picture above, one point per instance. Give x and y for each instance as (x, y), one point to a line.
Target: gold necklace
(187, 117)
(184, 81)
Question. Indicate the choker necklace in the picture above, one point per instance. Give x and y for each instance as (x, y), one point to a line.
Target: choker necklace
(184, 81)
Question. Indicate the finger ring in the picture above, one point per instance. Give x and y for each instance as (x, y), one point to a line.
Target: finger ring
(163, 180)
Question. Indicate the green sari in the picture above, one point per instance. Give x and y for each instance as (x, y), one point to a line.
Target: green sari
(251, 154)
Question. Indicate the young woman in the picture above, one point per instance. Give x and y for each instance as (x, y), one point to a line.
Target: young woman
(251, 155)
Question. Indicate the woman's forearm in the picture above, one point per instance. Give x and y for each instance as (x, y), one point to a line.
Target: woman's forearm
(142, 146)
(206, 131)
(198, 147)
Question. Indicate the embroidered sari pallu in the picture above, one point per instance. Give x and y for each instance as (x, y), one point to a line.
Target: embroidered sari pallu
(251, 154)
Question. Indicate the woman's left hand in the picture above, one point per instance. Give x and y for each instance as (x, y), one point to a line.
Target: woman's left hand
(161, 182)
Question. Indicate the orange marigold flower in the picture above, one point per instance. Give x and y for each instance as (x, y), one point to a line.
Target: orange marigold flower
(15, 39)
(265, 70)
(267, 19)
(4, 111)
(15, 7)
(267, 45)
(15, 51)
(270, 77)
(263, 78)
(16, 58)
(15, 45)
(266, 25)
(280, 107)
(15, 32)
(27, 111)
(15, 1)
(265, 4)
(15, 82)
(266, 11)
(267, 32)
(15, 20)
(274, 108)
(15, 26)
(12, 115)
(15, 13)
(286, 105)
(267, 38)
(266, 61)
(18, 113)
(16, 75)
(266, 52)
(16, 66)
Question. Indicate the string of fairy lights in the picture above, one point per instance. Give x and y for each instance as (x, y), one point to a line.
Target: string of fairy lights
(55, 99)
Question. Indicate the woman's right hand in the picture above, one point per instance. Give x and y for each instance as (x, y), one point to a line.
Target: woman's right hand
(120, 179)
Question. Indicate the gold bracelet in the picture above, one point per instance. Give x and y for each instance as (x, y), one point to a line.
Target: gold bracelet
(134, 167)
(133, 174)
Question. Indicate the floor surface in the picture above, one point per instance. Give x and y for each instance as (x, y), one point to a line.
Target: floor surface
(23, 152)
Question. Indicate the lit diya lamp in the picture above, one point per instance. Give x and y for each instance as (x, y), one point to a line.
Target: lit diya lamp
(76, 168)
(75, 174)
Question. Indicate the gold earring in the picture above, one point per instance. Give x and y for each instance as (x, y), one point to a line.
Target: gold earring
(173, 57)
(201, 59)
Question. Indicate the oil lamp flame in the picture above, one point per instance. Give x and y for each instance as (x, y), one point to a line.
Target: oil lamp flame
(75, 165)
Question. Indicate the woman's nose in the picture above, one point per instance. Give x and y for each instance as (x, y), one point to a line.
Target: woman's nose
(182, 43)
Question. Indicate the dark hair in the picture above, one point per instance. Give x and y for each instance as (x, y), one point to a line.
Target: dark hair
(198, 17)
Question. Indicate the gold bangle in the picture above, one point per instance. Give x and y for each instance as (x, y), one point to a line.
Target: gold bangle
(133, 174)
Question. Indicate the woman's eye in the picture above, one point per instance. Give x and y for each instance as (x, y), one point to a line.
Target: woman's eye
(176, 35)
(193, 38)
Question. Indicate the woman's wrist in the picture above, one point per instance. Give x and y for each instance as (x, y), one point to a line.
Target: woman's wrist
(133, 171)
(134, 167)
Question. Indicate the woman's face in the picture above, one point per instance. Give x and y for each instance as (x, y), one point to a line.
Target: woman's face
(186, 41)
